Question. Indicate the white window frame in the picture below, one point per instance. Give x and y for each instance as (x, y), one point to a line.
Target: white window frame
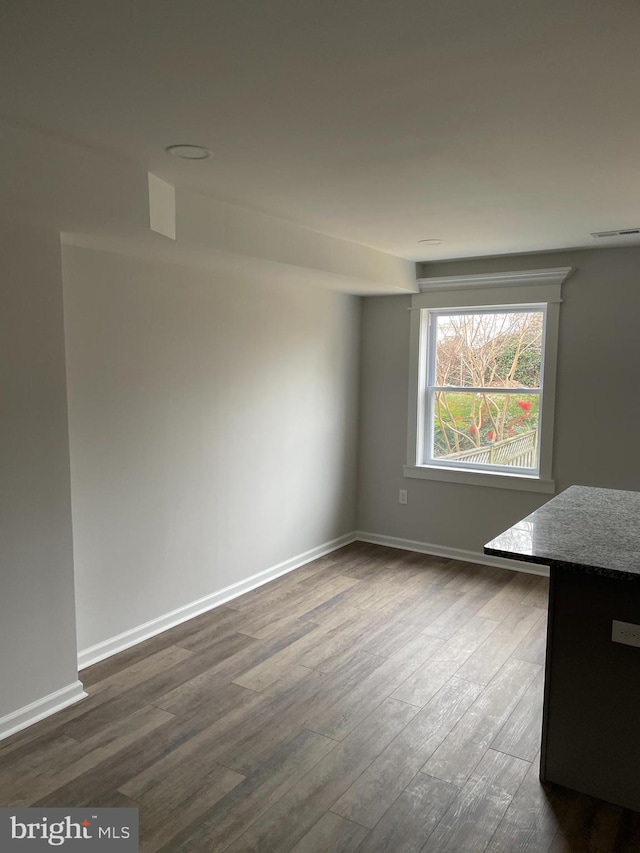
(521, 290)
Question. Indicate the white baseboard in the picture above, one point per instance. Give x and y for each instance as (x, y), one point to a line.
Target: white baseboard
(38, 710)
(452, 553)
(123, 641)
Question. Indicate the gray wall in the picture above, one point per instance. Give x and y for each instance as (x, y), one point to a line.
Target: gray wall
(212, 428)
(37, 614)
(597, 404)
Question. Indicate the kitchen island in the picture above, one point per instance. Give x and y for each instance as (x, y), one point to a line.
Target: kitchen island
(590, 539)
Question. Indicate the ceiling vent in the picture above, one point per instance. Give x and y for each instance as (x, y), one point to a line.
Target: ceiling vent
(623, 232)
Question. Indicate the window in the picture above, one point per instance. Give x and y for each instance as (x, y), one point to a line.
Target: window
(483, 388)
(483, 379)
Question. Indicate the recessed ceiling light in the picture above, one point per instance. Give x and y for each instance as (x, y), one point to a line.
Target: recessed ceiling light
(430, 241)
(189, 152)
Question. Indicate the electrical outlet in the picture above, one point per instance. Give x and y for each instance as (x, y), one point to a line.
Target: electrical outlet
(626, 633)
(402, 496)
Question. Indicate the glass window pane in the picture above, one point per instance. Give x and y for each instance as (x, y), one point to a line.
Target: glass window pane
(485, 350)
(486, 428)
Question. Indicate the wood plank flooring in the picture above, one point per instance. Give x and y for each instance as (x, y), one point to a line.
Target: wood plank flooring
(375, 700)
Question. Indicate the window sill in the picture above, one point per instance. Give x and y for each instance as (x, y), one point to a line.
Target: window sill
(480, 478)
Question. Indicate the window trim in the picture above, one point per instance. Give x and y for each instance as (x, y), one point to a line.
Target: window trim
(526, 288)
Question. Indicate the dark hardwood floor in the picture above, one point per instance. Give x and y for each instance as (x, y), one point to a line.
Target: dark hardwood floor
(373, 700)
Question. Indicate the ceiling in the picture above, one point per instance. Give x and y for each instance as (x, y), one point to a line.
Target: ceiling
(498, 126)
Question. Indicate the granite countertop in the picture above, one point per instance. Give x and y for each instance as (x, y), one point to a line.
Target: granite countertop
(596, 530)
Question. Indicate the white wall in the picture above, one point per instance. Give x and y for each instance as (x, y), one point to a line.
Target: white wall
(37, 614)
(597, 406)
(212, 429)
